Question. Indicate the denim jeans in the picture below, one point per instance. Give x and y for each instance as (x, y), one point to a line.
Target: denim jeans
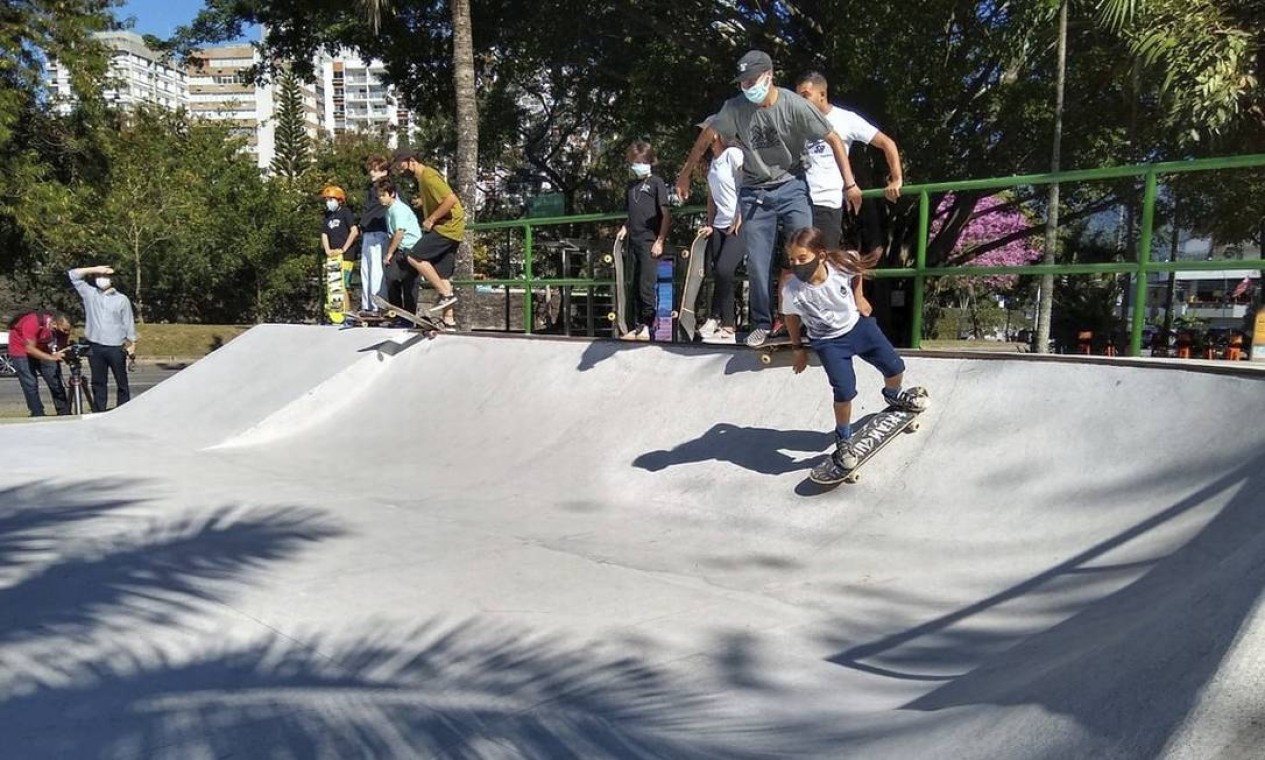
(29, 369)
(372, 246)
(763, 210)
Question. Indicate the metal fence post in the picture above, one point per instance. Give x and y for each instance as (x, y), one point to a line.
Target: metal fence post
(527, 275)
(920, 264)
(1144, 260)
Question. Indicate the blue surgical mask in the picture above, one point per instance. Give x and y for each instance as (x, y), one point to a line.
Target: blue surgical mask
(759, 91)
(640, 170)
(331, 204)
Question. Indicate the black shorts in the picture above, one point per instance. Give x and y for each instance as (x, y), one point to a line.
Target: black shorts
(865, 230)
(830, 222)
(440, 251)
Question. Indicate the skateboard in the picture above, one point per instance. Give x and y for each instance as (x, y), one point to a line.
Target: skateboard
(335, 291)
(391, 311)
(355, 319)
(695, 258)
(616, 257)
(770, 347)
(869, 440)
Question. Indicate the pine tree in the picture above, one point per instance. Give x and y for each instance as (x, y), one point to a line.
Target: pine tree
(293, 146)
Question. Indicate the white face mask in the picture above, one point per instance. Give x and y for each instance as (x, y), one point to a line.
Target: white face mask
(103, 283)
(331, 204)
(641, 171)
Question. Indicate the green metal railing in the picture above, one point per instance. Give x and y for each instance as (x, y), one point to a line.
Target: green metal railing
(920, 271)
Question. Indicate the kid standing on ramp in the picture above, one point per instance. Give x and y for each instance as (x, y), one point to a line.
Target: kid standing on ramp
(819, 298)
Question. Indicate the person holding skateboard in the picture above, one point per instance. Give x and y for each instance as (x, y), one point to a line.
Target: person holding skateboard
(338, 235)
(725, 250)
(398, 276)
(435, 257)
(646, 231)
(771, 125)
(819, 305)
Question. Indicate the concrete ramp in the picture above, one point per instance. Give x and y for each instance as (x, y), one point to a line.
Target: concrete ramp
(360, 543)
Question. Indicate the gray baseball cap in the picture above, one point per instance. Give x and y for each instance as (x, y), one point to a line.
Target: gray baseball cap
(754, 63)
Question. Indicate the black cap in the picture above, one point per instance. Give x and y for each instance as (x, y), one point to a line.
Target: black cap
(754, 63)
(403, 154)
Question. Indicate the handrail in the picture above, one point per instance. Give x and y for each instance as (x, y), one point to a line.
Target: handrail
(920, 272)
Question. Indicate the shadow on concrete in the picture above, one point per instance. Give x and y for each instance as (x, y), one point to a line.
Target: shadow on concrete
(89, 668)
(759, 450)
(1127, 667)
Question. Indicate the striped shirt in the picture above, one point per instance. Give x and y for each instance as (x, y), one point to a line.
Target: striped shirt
(107, 316)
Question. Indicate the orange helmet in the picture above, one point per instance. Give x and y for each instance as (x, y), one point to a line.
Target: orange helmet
(334, 191)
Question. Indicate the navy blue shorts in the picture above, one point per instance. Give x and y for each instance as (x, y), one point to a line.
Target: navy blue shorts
(866, 341)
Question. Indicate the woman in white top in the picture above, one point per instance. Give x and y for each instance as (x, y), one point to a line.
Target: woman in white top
(818, 299)
(725, 248)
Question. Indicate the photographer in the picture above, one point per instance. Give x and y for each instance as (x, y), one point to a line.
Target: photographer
(33, 341)
(110, 329)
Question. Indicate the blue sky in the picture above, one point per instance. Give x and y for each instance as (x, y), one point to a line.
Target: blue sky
(161, 17)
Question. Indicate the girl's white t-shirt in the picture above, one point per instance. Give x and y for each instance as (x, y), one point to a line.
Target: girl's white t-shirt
(829, 309)
(722, 181)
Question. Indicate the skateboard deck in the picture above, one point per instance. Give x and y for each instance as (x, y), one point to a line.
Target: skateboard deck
(391, 311)
(616, 257)
(770, 347)
(352, 318)
(335, 291)
(882, 428)
(695, 258)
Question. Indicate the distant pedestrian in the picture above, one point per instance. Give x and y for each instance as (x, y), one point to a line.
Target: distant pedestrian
(35, 342)
(110, 329)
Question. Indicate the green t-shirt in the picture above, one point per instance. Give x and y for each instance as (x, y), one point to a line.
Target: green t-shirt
(432, 190)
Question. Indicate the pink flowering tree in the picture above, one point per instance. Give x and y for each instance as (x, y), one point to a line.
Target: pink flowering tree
(998, 233)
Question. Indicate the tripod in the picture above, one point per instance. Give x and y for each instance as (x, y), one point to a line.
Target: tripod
(78, 390)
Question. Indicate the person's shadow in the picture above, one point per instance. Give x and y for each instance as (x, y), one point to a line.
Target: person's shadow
(761, 450)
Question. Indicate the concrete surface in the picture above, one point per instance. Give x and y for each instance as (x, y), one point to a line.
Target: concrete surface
(356, 543)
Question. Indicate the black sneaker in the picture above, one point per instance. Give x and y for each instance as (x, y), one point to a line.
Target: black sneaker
(444, 302)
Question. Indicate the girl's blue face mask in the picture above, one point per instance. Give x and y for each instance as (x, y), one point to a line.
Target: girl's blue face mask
(640, 171)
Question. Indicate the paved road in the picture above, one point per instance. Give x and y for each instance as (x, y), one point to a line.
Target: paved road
(146, 376)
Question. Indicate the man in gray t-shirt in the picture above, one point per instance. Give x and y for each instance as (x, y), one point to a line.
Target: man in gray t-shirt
(771, 125)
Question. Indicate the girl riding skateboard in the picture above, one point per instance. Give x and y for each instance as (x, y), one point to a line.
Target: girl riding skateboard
(819, 299)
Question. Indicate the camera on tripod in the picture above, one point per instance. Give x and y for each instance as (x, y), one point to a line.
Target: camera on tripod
(74, 353)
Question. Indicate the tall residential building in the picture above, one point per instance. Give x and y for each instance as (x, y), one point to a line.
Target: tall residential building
(136, 75)
(356, 99)
(348, 94)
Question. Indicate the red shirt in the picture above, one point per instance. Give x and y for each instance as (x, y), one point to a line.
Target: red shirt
(35, 326)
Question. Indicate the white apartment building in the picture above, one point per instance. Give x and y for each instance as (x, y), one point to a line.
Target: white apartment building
(356, 99)
(348, 95)
(136, 75)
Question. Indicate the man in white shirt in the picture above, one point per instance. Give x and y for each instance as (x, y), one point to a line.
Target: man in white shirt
(825, 186)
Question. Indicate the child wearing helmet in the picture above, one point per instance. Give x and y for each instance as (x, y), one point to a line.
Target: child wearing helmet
(338, 234)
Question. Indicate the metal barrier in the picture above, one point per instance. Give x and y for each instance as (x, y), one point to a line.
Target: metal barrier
(920, 272)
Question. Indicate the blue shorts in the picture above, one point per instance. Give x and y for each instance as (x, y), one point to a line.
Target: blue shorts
(866, 341)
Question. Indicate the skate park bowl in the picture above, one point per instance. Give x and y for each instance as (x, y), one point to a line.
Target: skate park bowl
(363, 543)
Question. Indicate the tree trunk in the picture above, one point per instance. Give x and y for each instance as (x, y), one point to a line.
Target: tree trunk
(467, 125)
(136, 258)
(1171, 291)
(1046, 306)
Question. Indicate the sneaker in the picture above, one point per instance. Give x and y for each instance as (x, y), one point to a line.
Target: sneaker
(641, 332)
(756, 337)
(779, 330)
(444, 302)
(724, 336)
(709, 328)
(845, 454)
(910, 399)
(448, 327)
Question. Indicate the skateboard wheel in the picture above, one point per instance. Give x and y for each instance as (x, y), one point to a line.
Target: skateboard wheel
(611, 316)
(392, 315)
(852, 478)
(685, 253)
(766, 358)
(913, 428)
(676, 314)
(608, 259)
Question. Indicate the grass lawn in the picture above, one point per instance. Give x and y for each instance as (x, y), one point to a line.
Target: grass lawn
(161, 341)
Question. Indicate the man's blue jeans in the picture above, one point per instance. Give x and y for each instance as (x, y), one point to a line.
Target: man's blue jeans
(763, 209)
(29, 371)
